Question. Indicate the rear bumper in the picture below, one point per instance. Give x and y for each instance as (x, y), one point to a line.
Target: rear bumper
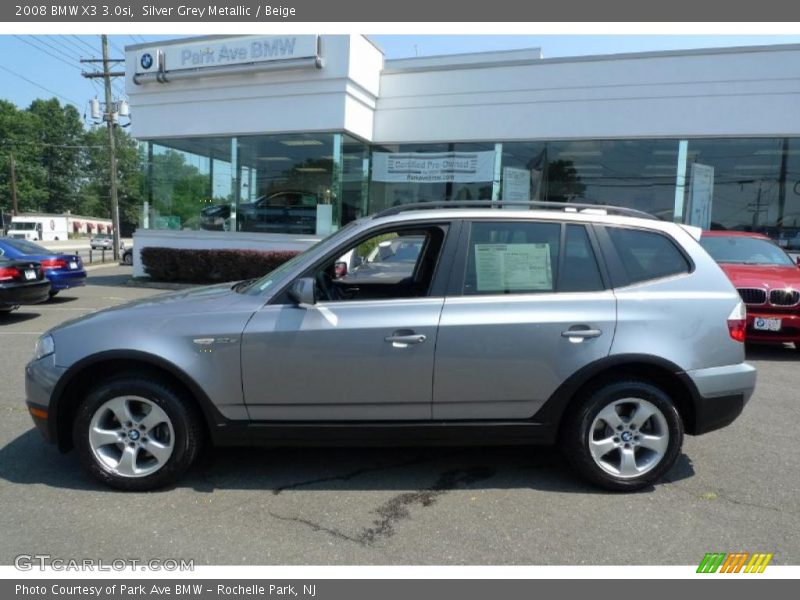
(722, 393)
(28, 293)
(790, 327)
(61, 280)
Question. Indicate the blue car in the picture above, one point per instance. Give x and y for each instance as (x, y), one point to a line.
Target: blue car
(62, 270)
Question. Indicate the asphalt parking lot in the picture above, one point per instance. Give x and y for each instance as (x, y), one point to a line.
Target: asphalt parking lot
(732, 490)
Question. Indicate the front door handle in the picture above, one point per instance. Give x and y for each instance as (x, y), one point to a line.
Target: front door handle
(404, 338)
(578, 335)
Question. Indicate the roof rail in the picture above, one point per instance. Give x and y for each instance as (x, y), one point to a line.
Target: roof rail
(565, 206)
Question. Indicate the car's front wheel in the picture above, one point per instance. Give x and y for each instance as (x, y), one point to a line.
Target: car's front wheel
(136, 434)
(624, 436)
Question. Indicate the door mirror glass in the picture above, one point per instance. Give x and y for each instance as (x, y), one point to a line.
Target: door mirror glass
(302, 291)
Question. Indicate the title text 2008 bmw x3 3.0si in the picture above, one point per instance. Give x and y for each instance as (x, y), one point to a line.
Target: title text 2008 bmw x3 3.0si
(599, 329)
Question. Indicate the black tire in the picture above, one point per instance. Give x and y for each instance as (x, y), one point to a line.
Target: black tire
(53, 293)
(185, 421)
(575, 435)
(127, 258)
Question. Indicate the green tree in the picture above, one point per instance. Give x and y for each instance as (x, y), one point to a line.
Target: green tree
(60, 135)
(18, 138)
(95, 196)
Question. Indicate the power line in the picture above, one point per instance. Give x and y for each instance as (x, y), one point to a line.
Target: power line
(59, 58)
(91, 49)
(73, 45)
(49, 91)
(59, 48)
(117, 48)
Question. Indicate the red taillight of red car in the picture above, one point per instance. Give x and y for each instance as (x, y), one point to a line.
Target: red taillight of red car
(8, 273)
(737, 323)
(54, 263)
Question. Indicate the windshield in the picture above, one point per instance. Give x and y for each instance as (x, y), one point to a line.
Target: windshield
(276, 275)
(26, 226)
(26, 247)
(745, 251)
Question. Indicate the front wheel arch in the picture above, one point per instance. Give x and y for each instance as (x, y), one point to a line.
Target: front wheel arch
(89, 372)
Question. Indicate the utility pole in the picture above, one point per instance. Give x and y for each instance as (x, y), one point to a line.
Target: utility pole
(13, 187)
(109, 118)
(112, 152)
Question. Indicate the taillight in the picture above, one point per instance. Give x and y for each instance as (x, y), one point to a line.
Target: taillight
(54, 263)
(8, 273)
(737, 322)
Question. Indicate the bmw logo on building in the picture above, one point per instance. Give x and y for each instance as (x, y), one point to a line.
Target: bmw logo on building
(146, 60)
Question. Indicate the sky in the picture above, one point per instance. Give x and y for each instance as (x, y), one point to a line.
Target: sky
(43, 66)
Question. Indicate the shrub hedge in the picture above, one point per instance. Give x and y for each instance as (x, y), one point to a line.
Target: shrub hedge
(210, 266)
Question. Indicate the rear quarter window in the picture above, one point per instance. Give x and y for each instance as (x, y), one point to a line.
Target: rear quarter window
(647, 255)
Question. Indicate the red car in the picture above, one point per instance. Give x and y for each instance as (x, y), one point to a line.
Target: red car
(768, 281)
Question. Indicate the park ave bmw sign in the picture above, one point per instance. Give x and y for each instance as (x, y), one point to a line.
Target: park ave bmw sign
(230, 51)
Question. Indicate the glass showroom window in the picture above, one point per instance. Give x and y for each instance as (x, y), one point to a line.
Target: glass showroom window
(286, 184)
(638, 174)
(182, 177)
(407, 173)
(745, 184)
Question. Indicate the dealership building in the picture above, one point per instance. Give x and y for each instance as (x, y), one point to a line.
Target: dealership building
(272, 141)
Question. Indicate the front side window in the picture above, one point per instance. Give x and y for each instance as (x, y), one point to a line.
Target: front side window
(512, 258)
(647, 255)
(392, 264)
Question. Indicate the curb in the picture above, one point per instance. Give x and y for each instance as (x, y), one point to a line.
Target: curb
(106, 265)
(145, 282)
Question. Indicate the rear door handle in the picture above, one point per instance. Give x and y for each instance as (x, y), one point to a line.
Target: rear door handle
(404, 338)
(578, 335)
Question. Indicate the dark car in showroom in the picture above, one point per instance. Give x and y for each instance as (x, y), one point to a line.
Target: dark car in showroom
(21, 282)
(63, 270)
(767, 279)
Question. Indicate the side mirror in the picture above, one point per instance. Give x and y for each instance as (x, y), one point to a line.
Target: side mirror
(302, 291)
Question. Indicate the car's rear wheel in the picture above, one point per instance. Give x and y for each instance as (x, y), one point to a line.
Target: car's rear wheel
(127, 259)
(136, 434)
(624, 436)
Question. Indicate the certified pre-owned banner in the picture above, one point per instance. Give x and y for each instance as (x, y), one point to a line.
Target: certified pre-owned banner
(433, 167)
(131, 11)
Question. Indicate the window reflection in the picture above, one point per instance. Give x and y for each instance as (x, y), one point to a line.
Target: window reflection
(312, 183)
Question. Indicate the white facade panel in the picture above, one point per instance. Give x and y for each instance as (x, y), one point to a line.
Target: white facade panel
(730, 93)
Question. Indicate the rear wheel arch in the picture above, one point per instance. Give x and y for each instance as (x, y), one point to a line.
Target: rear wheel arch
(91, 371)
(657, 371)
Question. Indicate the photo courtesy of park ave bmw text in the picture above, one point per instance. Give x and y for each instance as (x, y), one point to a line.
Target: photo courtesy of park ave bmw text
(309, 301)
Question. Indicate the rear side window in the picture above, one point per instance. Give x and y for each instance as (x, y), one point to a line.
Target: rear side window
(579, 270)
(512, 258)
(647, 255)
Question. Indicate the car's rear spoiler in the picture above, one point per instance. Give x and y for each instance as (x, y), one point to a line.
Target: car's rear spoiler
(693, 231)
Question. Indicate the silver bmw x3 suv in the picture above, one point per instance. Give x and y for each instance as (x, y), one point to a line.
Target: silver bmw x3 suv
(600, 329)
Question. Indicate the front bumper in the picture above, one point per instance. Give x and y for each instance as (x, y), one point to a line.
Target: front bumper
(722, 393)
(41, 377)
(789, 332)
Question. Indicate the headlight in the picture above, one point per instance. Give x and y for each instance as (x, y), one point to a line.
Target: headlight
(44, 347)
